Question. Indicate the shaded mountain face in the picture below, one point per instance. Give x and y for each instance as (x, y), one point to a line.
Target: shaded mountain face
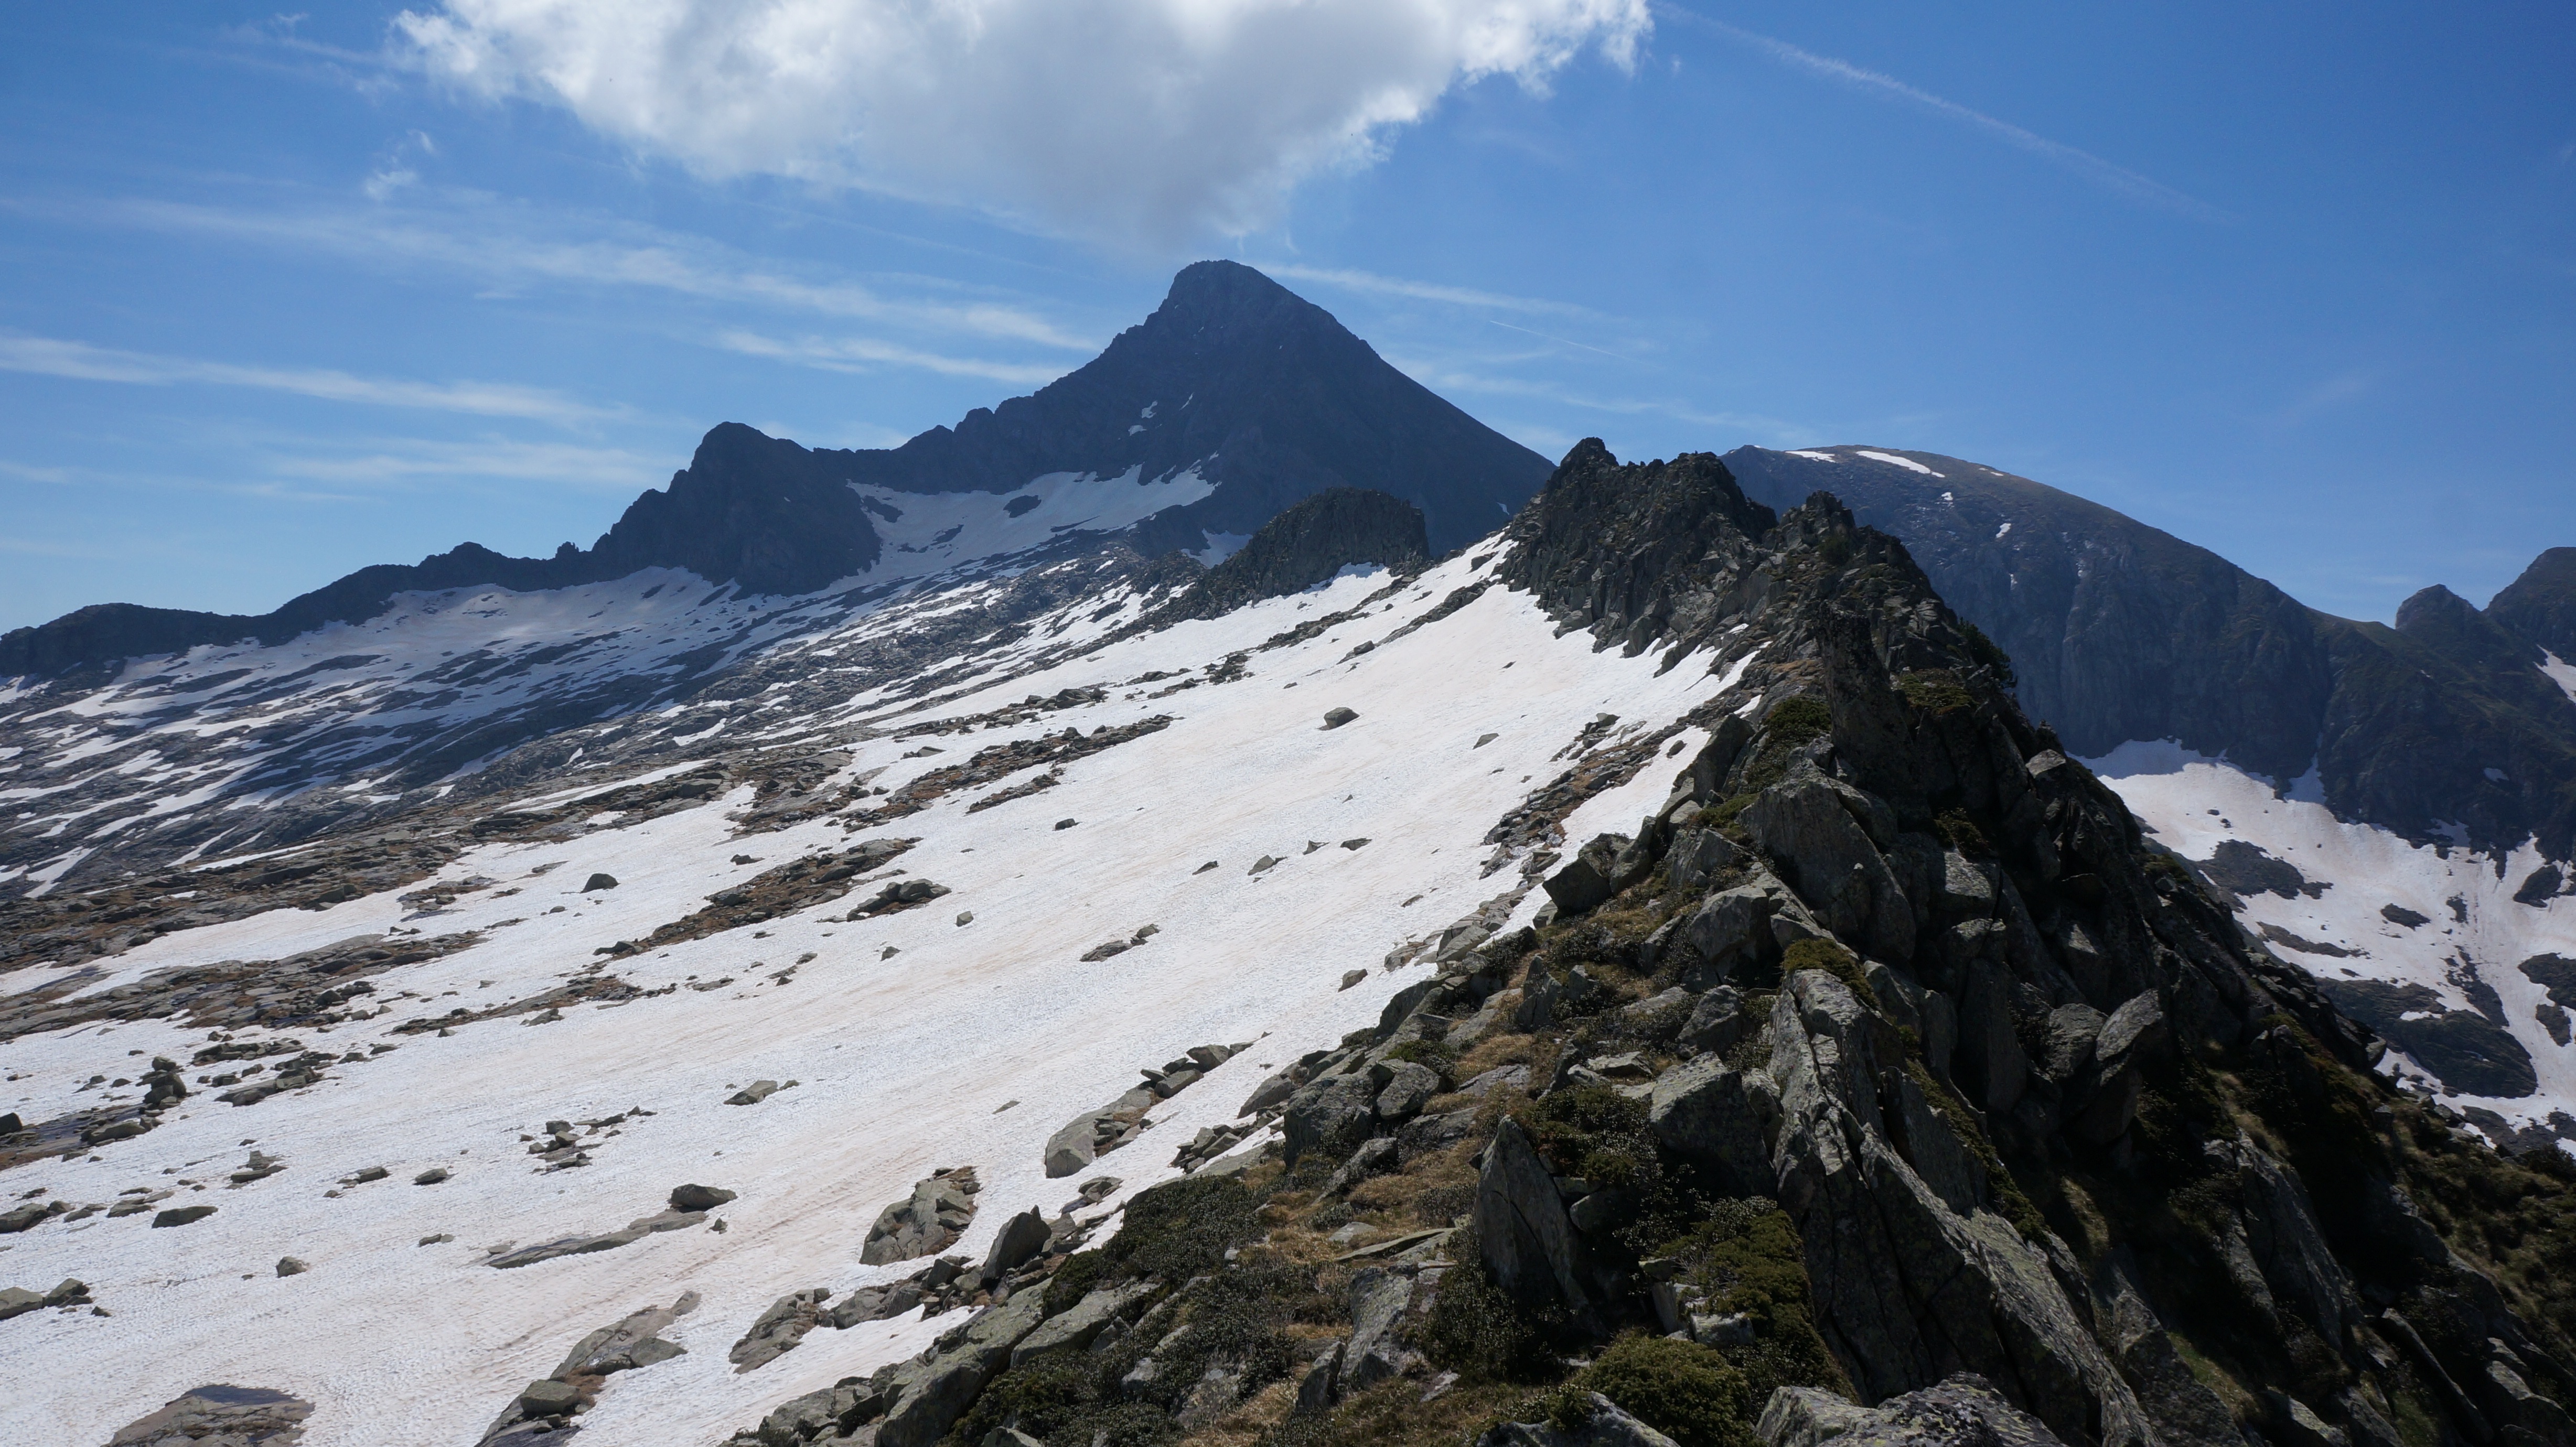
(1235, 399)
(1308, 544)
(2541, 604)
(2445, 726)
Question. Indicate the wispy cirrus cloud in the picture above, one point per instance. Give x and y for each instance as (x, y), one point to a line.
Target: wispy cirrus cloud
(54, 357)
(2109, 175)
(1372, 283)
(1445, 377)
(395, 462)
(862, 354)
(508, 247)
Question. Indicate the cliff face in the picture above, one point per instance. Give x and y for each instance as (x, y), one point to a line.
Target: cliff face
(2444, 727)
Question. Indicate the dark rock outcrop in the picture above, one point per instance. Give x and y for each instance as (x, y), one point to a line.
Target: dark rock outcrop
(1306, 544)
(2119, 631)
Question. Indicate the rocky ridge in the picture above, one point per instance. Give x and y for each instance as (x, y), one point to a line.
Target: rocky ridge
(1886, 1062)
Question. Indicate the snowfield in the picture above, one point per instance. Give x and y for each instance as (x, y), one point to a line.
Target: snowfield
(917, 1041)
(2474, 930)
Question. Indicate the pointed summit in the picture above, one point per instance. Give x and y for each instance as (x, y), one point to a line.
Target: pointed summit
(1233, 401)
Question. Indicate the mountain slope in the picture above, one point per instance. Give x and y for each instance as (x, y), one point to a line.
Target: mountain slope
(2326, 773)
(1233, 400)
(1661, 927)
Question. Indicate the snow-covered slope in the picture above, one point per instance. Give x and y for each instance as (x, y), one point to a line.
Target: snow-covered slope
(963, 1031)
(2447, 951)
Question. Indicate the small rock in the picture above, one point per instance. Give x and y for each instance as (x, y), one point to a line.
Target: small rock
(965, 917)
(434, 1240)
(1335, 718)
(698, 1198)
(598, 882)
(754, 1093)
(291, 1266)
(1355, 843)
(1353, 977)
(182, 1215)
(548, 1398)
(1066, 823)
(430, 1177)
(1266, 861)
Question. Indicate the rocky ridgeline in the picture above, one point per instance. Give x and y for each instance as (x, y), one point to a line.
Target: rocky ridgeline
(1885, 1086)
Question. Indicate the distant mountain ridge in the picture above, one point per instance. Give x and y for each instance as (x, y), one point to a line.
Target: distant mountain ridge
(2446, 726)
(1258, 394)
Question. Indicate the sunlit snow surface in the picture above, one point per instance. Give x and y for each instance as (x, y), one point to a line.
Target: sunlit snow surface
(905, 1062)
(2195, 803)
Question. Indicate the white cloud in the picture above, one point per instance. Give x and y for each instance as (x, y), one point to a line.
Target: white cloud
(1135, 120)
(1372, 283)
(396, 461)
(514, 246)
(50, 357)
(861, 354)
(2115, 178)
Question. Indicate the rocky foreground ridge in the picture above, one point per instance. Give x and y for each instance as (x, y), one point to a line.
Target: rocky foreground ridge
(1884, 1082)
(1885, 1063)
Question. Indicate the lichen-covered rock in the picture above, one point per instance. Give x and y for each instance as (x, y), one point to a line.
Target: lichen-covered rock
(1830, 860)
(1603, 1424)
(929, 1221)
(1961, 1411)
(1332, 1114)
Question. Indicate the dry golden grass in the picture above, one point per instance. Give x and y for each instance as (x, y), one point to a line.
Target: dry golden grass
(1250, 1421)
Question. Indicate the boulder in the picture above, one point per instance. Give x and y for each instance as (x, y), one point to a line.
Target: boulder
(1961, 1411)
(1696, 856)
(1335, 718)
(1407, 1086)
(1529, 1245)
(925, 1223)
(1373, 1158)
(1278, 1087)
(778, 1330)
(291, 1266)
(1430, 1134)
(1332, 1114)
(698, 1198)
(1380, 1297)
(1716, 1022)
(754, 1093)
(928, 1397)
(1729, 929)
(598, 882)
(1022, 1239)
(629, 1344)
(1719, 1117)
(1079, 1325)
(1809, 829)
(182, 1215)
(1590, 878)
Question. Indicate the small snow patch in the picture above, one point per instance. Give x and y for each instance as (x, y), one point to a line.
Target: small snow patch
(1818, 456)
(1895, 461)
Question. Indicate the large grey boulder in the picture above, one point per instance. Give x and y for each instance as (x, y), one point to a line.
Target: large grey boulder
(2276, 1229)
(631, 1343)
(1718, 1117)
(925, 1223)
(779, 1329)
(1406, 1086)
(1696, 856)
(1528, 1243)
(1600, 869)
(1022, 1239)
(2186, 1413)
(1825, 854)
(1333, 1115)
(1380, 1297)
(1962, 1411)
(1908, 1288)
(1080, 1324)
(1729, 929)
(927, 1398)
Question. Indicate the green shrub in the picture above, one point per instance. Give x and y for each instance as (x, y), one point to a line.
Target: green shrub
(1792, 724)
(1834, 960)
(1988, 652)
(1686, 1391)
(1934, 690)
(1961, 833)
(1475, 1329)
(1073, 1280)
(1181, 1229)
(1745, 1256)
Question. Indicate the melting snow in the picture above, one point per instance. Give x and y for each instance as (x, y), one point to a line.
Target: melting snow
(1905, 462)
(2194, 803)
(929, 533)
(2560, 672)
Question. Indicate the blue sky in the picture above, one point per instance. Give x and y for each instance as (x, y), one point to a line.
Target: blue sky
(287, 296)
